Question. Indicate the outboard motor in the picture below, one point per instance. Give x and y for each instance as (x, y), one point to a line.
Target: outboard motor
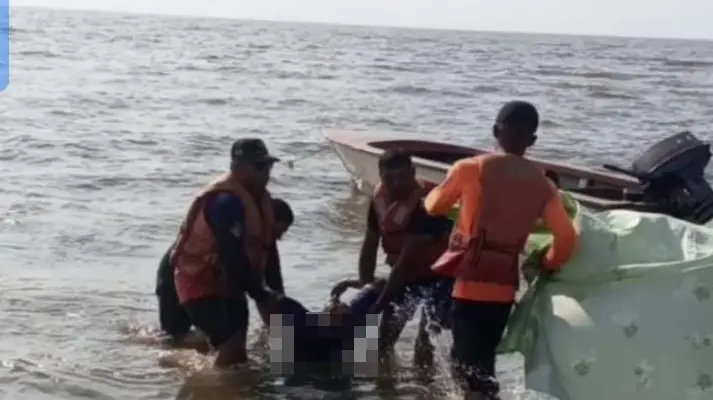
(672, 175)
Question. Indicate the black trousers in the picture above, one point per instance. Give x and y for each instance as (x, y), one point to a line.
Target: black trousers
(477, 328)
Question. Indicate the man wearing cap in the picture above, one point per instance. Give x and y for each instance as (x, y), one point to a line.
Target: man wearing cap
(226, 248)
(173, 318)
(502, 195)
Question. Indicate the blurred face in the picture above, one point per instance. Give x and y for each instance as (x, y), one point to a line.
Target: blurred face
(398, 181)
(256, 174)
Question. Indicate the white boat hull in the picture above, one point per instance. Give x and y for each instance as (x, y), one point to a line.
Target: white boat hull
(363, 167)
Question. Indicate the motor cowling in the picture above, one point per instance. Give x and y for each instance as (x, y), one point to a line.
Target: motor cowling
(672, 173)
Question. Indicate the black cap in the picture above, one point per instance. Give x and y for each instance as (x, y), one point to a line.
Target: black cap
(251, 150)
(519, 115)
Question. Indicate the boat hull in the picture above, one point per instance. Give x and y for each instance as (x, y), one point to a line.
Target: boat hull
(359, 155)
(363, 167)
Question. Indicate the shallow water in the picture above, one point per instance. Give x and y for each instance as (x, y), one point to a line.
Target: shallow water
(112, 121)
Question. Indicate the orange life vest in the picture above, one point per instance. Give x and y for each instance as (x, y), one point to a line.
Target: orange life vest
(513, 195)
(195, 258)
(394, 217)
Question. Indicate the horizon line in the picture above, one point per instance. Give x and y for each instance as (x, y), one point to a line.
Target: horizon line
(309, 22)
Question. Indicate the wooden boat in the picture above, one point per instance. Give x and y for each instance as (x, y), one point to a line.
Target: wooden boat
(359, 153)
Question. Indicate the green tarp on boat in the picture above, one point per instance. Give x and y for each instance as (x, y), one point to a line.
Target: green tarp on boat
(630, 317)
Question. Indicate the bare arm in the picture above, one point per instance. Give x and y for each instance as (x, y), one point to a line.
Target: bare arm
(367, 256)
(273, 271)
(398, 278)
(369, 247)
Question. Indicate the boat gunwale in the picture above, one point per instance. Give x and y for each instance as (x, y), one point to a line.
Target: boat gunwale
(355, 140)
(586, 199)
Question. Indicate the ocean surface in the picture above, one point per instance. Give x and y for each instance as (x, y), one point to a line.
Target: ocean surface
(112, 121)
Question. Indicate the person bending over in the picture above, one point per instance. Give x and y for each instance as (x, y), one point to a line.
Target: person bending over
(173, 318)
(412, 241)
(226, 248)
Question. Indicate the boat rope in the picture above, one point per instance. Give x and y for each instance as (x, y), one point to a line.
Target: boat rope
(291, 163)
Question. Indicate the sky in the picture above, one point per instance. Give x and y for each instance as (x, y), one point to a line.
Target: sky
(642, 18)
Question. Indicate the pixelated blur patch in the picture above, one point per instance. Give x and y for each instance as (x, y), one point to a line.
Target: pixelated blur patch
(4, 44)
(324, 344)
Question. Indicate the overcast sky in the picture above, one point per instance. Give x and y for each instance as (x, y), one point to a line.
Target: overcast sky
(652, 18)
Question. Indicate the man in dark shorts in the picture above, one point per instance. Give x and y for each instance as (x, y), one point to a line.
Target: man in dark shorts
(173, 318)
(412, 241)
(226, 248)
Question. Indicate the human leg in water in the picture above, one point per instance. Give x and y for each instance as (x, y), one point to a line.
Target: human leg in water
(173, 318)
(477, 328)
(435, 316)
(394, 318)
(232, 351)
(177, 324)
(225, 322)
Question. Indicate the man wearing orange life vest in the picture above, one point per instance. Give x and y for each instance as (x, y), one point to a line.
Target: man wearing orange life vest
(173, 318)
(412, 241)
(501, 195)
(225, 248)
